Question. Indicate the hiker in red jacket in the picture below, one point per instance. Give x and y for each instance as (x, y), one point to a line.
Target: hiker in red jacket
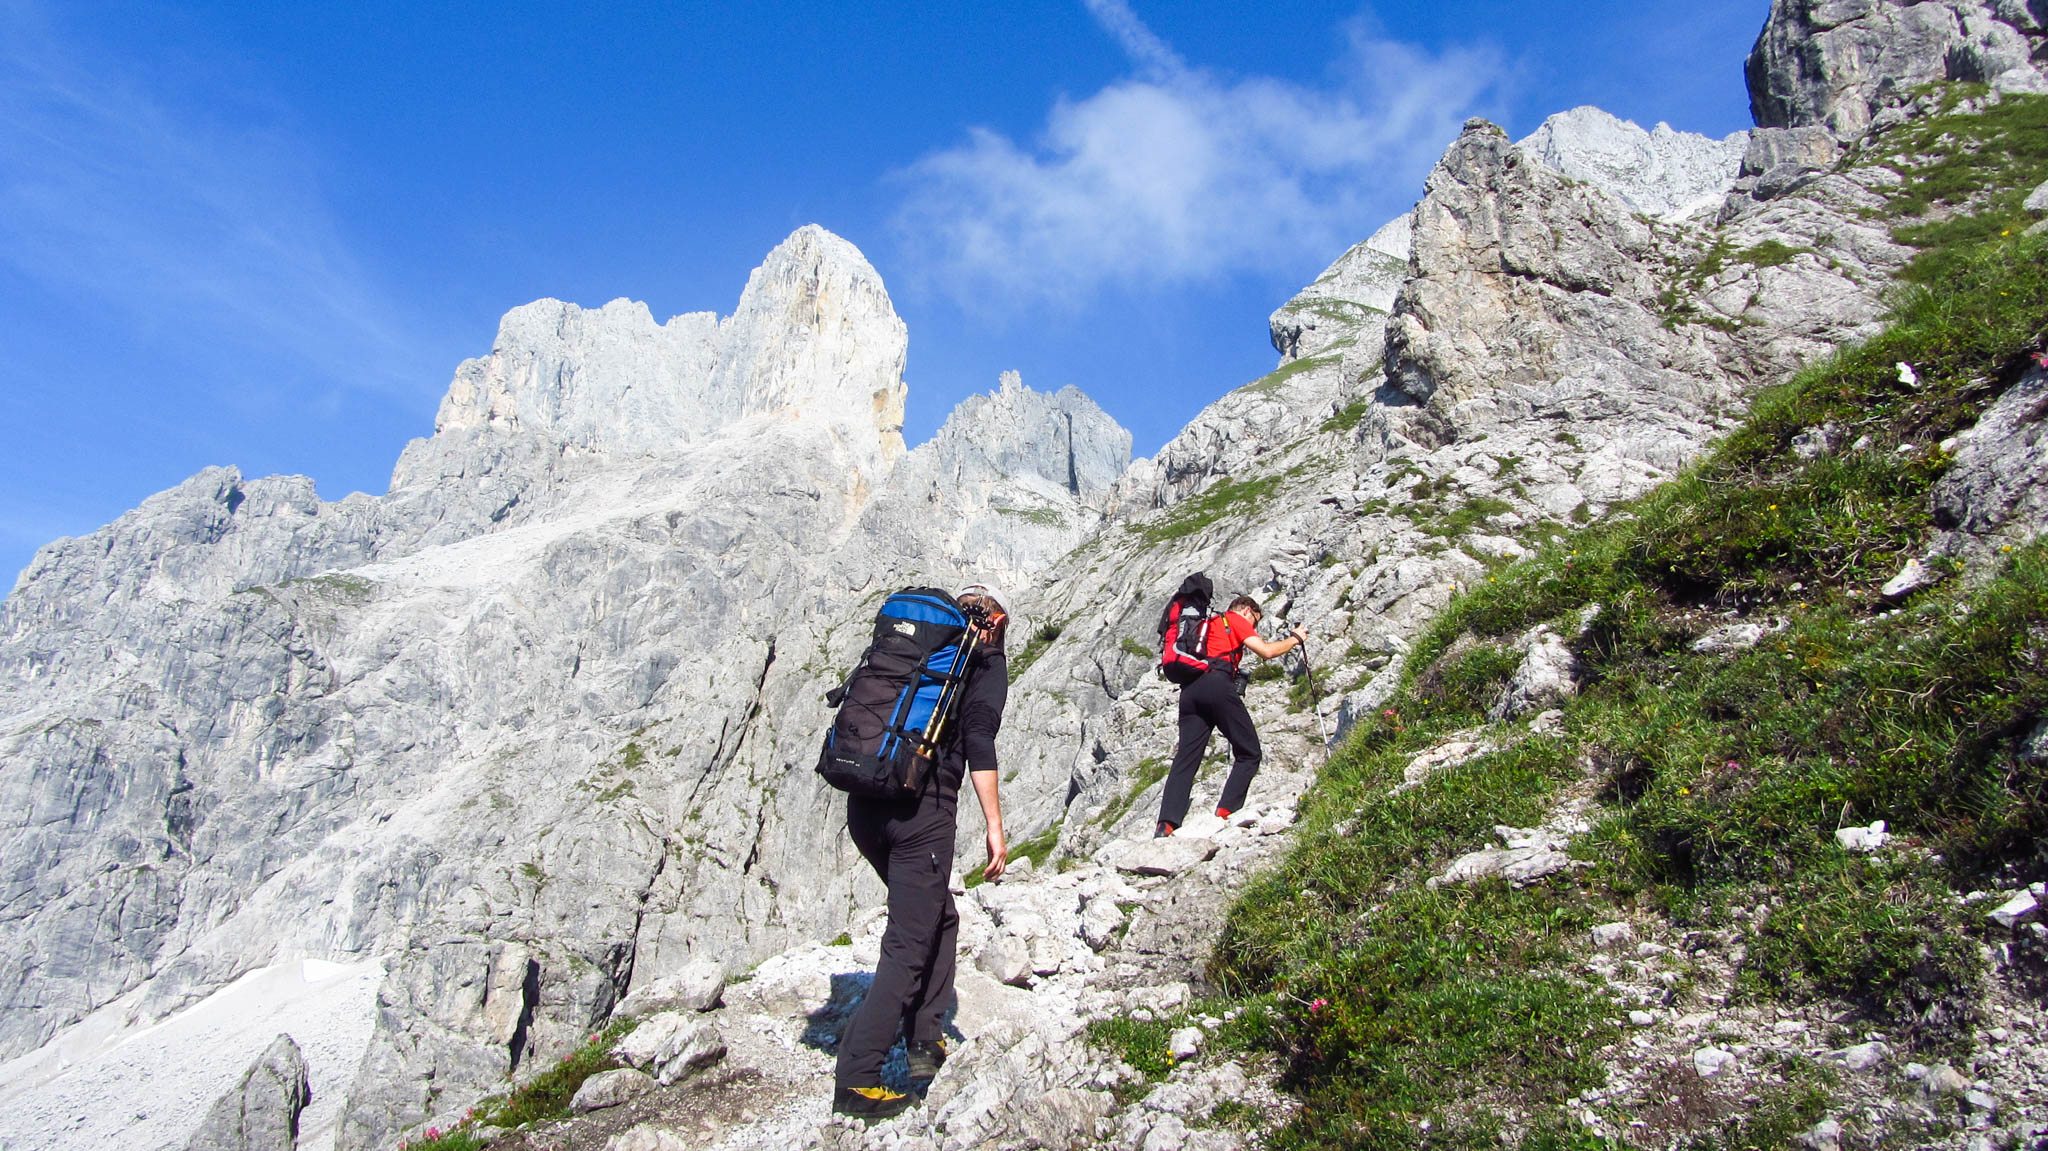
(1213, 700)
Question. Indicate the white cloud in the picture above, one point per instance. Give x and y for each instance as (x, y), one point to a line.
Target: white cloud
(1176, 175)
(208, 229)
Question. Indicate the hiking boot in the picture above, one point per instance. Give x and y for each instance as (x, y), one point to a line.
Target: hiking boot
(870, 1103)
(1164, 829)
(925, 1060)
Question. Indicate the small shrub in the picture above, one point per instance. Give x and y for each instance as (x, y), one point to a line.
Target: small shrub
(1036, 646)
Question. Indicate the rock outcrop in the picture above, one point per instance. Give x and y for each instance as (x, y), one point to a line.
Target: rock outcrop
(262, 1112)
(1336, 311)
(1842, 64)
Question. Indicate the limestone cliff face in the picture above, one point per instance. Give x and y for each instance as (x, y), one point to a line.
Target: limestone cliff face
(1841, 64)
(1012, 481)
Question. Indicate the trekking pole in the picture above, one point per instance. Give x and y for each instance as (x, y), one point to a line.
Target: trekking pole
(1315, 698)
(935, 728)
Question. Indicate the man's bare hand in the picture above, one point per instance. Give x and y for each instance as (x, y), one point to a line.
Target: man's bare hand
(998, 854)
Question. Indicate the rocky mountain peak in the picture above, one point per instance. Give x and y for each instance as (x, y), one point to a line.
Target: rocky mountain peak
(1015, 432)
(588, 379)
(816, 337)
(1012, 481)
(1661, 172)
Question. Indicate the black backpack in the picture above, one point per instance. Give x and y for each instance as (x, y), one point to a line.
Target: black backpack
(1182, 657)
(895, 707)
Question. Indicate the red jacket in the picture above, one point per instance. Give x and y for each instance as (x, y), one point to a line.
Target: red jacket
(1224, 641)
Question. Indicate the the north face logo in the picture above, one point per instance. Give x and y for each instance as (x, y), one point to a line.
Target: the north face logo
(906, 627)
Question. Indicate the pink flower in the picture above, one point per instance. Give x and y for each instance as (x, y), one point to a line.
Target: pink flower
(1317, 1004)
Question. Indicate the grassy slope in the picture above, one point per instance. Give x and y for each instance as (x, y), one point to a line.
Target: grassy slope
(1721, 777)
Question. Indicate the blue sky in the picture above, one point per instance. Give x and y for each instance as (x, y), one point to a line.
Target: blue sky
(264, 234)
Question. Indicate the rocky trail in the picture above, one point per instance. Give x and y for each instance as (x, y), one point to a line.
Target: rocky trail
(1043, 952)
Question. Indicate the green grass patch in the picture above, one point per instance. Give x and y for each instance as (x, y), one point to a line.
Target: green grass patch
(1272, 380)
(1966, 175)
(1220, 501)
(1039, 643)
(1769, 254)
(1039, 847)
(1149, 771)
(1347, 417)
(1142, 1043)
(543, 1099)
(1464, 517)
(1043, 517)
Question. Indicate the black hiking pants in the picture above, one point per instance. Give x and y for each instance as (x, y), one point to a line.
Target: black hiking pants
(910, 845)
(1209, 703)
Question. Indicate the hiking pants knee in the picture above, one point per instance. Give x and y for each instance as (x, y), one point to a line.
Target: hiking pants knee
(1210, 703)
(910, 845)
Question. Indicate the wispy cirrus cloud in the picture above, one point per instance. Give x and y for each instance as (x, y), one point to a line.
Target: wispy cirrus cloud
(184, 208)
(1177, 174)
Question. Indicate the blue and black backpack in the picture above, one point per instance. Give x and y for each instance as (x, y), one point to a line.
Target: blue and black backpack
(895, 707)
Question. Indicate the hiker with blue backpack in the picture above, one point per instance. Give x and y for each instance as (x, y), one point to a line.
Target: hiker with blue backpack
(1204, 654)
(917, 717)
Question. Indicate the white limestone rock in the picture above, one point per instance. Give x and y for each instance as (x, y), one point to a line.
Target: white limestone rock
(697, 987)
(1349, 300)
(1864, 1056)
(648, 1137)
(1995, 493)
(1863, 839)
(609, 1089)
(1448, 754)
(262, 1112)
(670, 1046)
(1167, 856)
(1825, 1135)
(1007, 960)
(1712, 1062)
(1912, 577)
(1608, 936)
(1548, 674)
(2020, 909)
